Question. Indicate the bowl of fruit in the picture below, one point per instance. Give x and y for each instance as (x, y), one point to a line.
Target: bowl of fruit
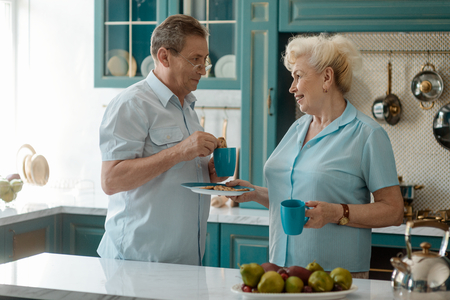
(270, 281)
(10, 186)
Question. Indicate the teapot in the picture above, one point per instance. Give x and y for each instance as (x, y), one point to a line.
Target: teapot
(422, 274)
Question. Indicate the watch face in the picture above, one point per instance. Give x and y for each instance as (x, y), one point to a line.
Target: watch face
(343, 221)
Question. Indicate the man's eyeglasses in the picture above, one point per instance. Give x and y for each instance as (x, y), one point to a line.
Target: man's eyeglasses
(198, 67)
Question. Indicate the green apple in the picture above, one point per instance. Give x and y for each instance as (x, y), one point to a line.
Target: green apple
(4, 187)
(16, 185)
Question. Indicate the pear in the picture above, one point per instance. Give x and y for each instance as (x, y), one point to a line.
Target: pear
(314, 266)
(271, 282)
(294, 285)
(4, 187)
(251, 274)
(16, 185)
(9, 196)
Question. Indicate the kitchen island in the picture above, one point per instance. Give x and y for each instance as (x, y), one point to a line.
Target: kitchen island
(58, 276)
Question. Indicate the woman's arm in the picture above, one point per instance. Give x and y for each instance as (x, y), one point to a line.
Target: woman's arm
(387, 210)
(259, 195)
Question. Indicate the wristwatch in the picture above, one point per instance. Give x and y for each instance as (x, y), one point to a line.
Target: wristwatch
(345, 217)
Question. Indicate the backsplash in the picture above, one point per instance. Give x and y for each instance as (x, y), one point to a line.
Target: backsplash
(420, 159)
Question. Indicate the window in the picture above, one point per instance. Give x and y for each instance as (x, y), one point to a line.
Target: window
(7, 88)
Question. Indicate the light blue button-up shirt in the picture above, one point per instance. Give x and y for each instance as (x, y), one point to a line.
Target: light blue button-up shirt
(344, 163)
(160, 221)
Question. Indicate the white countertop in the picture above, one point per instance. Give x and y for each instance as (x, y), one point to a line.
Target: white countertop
(58, 276)
(35, 202)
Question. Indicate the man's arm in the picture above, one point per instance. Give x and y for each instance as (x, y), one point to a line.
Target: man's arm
(124, 175)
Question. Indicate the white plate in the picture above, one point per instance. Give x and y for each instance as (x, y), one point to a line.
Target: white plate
(39, 169)
(196, 188)
(21, 156)
(226, 67)
(317, 296)
(147, 65)
(115, 63)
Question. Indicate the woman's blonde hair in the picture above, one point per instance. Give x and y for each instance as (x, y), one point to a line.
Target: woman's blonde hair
(324, 51)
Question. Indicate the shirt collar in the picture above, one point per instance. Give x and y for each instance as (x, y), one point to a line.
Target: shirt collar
(347, 116)
(164, 94)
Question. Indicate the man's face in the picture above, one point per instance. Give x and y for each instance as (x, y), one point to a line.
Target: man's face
(186, 78)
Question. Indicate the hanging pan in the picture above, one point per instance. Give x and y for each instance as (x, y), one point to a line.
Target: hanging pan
(387, 109)
(427, 86)
(441, 129)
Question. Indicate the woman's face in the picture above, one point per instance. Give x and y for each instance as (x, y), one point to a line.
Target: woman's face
(307, 86)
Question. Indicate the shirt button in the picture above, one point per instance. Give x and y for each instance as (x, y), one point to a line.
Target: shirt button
(168, 137)
(198, 165)
(309, 146)
(291, 168)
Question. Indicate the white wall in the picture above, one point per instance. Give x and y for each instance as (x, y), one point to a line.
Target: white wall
(58, 109)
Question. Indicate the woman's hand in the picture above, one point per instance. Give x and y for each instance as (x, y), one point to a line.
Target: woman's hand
(259, 195)
(246, 197)
(322, 213)
(212, 172)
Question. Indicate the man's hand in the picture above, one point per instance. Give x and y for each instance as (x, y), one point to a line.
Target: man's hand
(198, 144)
(212, 172)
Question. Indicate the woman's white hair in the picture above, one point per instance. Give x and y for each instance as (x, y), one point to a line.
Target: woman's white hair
(324, 51)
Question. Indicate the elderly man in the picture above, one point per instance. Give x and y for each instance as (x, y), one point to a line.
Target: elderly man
(151, 142)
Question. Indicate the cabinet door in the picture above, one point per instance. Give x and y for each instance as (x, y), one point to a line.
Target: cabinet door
(123, 29)
(258, 87)
(242, 244)
(2, 245)
(81, 234)
(362, 15)
(29, 238)
(212, 250)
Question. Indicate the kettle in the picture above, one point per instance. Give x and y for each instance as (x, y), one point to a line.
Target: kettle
(422, 274)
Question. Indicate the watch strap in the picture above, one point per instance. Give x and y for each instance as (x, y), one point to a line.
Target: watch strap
(345, 215)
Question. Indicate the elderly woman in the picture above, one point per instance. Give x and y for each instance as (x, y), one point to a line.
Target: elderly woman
(332, 158)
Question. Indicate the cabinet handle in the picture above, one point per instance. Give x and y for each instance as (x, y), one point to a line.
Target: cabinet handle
(269, 102)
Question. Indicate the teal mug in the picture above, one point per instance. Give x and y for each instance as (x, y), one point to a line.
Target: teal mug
(225, 161)
(293, 216)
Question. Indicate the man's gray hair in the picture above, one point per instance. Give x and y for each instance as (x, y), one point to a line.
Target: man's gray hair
(173, 31)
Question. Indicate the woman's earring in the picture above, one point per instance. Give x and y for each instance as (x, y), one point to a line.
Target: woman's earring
(324, 90)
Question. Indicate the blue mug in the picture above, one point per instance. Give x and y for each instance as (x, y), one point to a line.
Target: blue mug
(293, 216)
(225, 161)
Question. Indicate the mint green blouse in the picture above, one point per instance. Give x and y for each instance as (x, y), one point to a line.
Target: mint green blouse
(351, 158)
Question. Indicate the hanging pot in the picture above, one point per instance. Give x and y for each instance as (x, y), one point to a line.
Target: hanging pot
(441, 126)
(427, 86)
(387, 109)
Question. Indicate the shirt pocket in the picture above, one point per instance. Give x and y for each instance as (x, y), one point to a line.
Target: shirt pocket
(164, 138)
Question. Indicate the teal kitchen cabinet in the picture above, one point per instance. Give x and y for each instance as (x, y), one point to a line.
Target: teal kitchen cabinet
(123, 29)
(2, 245)
(361, 15)
(386, 240)
(81, 234)
(28, 238)
(242, 244)
(259, 66)
(212, 247)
